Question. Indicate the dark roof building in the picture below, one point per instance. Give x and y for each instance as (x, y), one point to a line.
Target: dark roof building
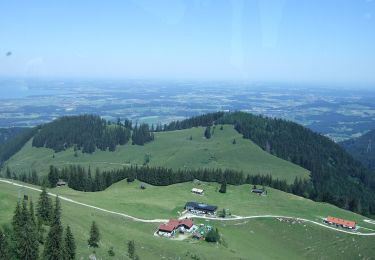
(259, 191)
(200, 207)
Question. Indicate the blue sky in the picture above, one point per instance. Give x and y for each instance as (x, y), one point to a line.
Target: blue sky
(262, 40)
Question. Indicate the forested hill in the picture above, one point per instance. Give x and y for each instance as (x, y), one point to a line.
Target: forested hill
(6, 134)
(89, 132)
(363, 149)
(337, 178)
(14, 144)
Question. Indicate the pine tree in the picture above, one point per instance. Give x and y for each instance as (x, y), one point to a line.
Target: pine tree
(111, 252)
(131, 249)
(69, 251)
(44, 207)
(32, 213)
(7, 249)
(207, 132)
(54, 244)
(8, 174)
(40, 230)
(25, 236)
(4, 247)
(223, 188)
(94, 236)
(213, 235)
(53, 176)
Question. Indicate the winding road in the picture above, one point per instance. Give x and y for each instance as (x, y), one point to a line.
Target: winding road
(188, 215)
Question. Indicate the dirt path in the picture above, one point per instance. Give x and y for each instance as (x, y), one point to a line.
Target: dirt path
(187, 215)
(87, 205)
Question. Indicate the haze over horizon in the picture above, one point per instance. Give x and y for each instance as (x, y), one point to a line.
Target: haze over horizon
(278, 40)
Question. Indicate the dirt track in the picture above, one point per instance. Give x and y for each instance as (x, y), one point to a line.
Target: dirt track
(188, 215)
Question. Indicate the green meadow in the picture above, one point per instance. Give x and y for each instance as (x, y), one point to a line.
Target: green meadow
(242, 239)
(157, 202)
(170, 149)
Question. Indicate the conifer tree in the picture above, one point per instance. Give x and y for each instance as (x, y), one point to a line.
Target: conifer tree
(25, 236)
(3, 245)
(131, 249)
(44, 207)
(69, 251)
(40, 230)
(223, 188)
(207, 132)
(8, 174)
(53, 245)
(94, 236)
(53, 176)
(6, 249)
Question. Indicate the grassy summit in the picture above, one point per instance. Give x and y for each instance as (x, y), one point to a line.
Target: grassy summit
(175, 149)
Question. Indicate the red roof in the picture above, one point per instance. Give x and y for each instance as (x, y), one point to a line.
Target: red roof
(167, 227)
(174, 223)
(186, 222)
(340, 221)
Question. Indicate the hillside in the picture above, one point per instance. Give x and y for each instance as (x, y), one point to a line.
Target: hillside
(362, 149)
(249, 143)
(243, 238)
(172, 149)
(6, 134)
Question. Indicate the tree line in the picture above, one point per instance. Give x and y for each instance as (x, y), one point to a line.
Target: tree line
(80, 179)
(88, 133)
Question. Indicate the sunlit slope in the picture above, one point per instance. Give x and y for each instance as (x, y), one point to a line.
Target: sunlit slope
(244, 239)
(176, 149)
(158, 201)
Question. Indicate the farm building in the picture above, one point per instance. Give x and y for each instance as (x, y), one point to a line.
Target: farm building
(197, 191)
(61, 183)
(340, 222)
(170, 228)
(200, 208)
(259, 191)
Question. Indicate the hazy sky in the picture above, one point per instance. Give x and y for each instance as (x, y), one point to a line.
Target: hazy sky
(288, 40)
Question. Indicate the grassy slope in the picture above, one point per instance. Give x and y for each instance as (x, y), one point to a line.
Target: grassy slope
(165, 202)
(170, 149)
(243, 239)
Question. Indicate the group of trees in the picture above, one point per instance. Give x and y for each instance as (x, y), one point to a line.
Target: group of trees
(80, 179)
(142, 134)
(22, 240)
(202, 120)
(213, 236)
(84, 132)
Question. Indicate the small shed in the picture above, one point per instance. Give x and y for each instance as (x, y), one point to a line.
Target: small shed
(259, 191)
(61, 183)
(197, 191)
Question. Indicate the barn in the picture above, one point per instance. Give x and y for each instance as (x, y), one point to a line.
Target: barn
(197, 191)
(200, 208)
(170, 228)
(340, 222)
